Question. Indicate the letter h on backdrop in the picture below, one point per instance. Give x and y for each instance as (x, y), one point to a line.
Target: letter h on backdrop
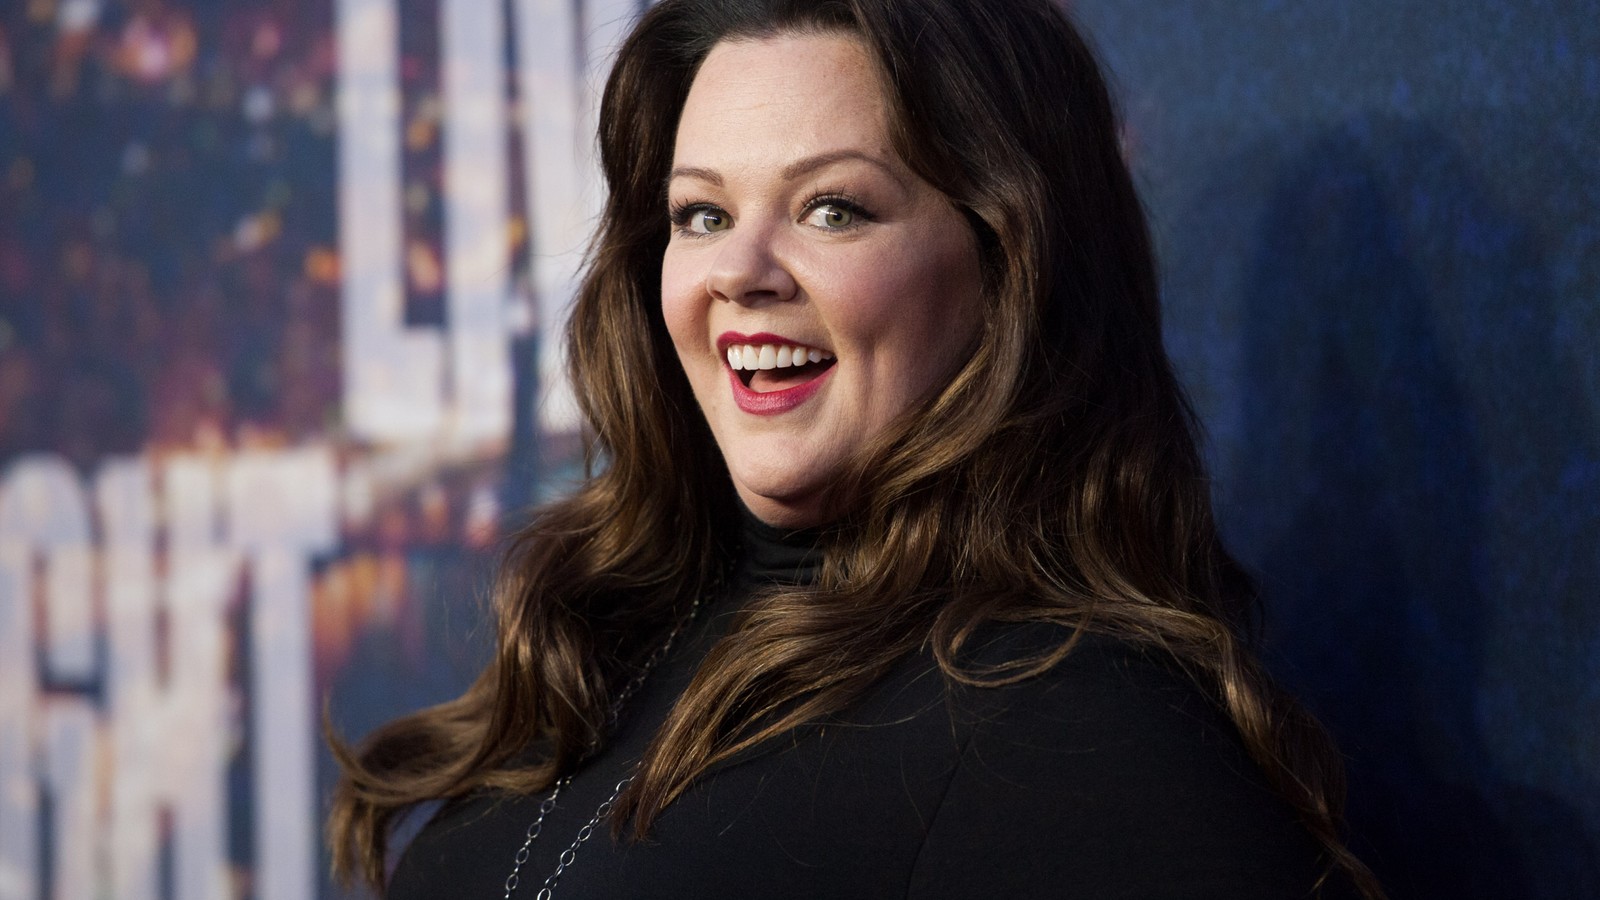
(116, 733)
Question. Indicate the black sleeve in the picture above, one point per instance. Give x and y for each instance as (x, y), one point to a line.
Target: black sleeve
(1111, 776)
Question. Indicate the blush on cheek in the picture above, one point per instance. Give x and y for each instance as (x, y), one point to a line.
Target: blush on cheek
(684, 323)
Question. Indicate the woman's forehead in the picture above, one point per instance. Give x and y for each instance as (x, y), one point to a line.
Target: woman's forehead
(775, 100)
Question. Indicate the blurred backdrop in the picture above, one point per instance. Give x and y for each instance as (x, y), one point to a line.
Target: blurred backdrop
(278, 282)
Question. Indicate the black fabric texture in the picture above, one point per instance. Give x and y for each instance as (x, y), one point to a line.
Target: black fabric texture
(1110, 776)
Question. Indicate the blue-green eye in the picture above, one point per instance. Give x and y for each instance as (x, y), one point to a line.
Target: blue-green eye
(706, 220)
(700, 218)
(835, 212)
(831, 215)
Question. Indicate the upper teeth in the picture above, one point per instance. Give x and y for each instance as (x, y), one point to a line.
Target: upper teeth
(772, 356)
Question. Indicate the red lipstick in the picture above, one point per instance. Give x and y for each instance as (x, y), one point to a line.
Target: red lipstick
(771, 403)
(768, 403)
(729, 338)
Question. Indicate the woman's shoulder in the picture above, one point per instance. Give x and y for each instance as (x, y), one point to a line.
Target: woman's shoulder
(1100, 691)
(1102, 688)
(1113, 773)
(1107, 710)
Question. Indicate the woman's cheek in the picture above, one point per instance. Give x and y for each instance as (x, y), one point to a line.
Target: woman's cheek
(678, 307)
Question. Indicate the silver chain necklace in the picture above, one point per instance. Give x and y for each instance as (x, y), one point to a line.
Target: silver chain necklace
(565, 860)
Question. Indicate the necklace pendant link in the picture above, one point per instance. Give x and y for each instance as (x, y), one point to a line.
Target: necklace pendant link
(587, 831)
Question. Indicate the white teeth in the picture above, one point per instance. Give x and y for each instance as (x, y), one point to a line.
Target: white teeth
(749, 357)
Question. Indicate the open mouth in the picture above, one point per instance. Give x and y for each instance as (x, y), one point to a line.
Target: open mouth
(775, 367)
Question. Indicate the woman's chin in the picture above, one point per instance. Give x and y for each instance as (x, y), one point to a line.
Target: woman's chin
(783, 509)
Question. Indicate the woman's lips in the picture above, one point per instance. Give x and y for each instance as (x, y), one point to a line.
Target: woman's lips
(770, 373)
(771, 403)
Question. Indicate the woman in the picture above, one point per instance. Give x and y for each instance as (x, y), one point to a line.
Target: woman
(899, 576)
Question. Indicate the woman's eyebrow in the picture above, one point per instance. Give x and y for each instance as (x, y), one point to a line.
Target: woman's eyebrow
(802, 167)
(795, 170)
(708, 175)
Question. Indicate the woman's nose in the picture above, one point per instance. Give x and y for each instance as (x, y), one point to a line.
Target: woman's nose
(749, 268)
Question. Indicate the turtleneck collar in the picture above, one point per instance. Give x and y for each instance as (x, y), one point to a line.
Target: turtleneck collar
(771, 555)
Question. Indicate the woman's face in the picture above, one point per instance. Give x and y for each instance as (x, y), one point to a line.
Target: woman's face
(815, 288)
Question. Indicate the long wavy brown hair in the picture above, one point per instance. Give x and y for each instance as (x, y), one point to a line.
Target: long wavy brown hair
(1055, 478)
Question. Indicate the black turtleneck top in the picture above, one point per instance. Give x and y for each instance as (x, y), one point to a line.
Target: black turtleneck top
(1110, 776)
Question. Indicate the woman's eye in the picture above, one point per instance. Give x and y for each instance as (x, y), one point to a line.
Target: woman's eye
(707, 221)
(831, 215)
(700, 218)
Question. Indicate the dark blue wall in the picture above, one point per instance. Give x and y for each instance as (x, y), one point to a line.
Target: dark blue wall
(1380, 222)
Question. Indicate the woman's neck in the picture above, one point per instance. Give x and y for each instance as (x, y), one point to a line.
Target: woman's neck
(770, 555)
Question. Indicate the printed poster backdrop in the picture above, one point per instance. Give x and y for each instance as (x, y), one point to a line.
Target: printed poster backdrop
(277, 286)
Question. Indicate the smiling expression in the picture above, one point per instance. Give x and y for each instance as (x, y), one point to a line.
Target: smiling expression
(814, 286)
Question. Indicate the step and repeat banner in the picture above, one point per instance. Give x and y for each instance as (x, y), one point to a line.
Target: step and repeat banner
(278, 289)
(277, 283)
